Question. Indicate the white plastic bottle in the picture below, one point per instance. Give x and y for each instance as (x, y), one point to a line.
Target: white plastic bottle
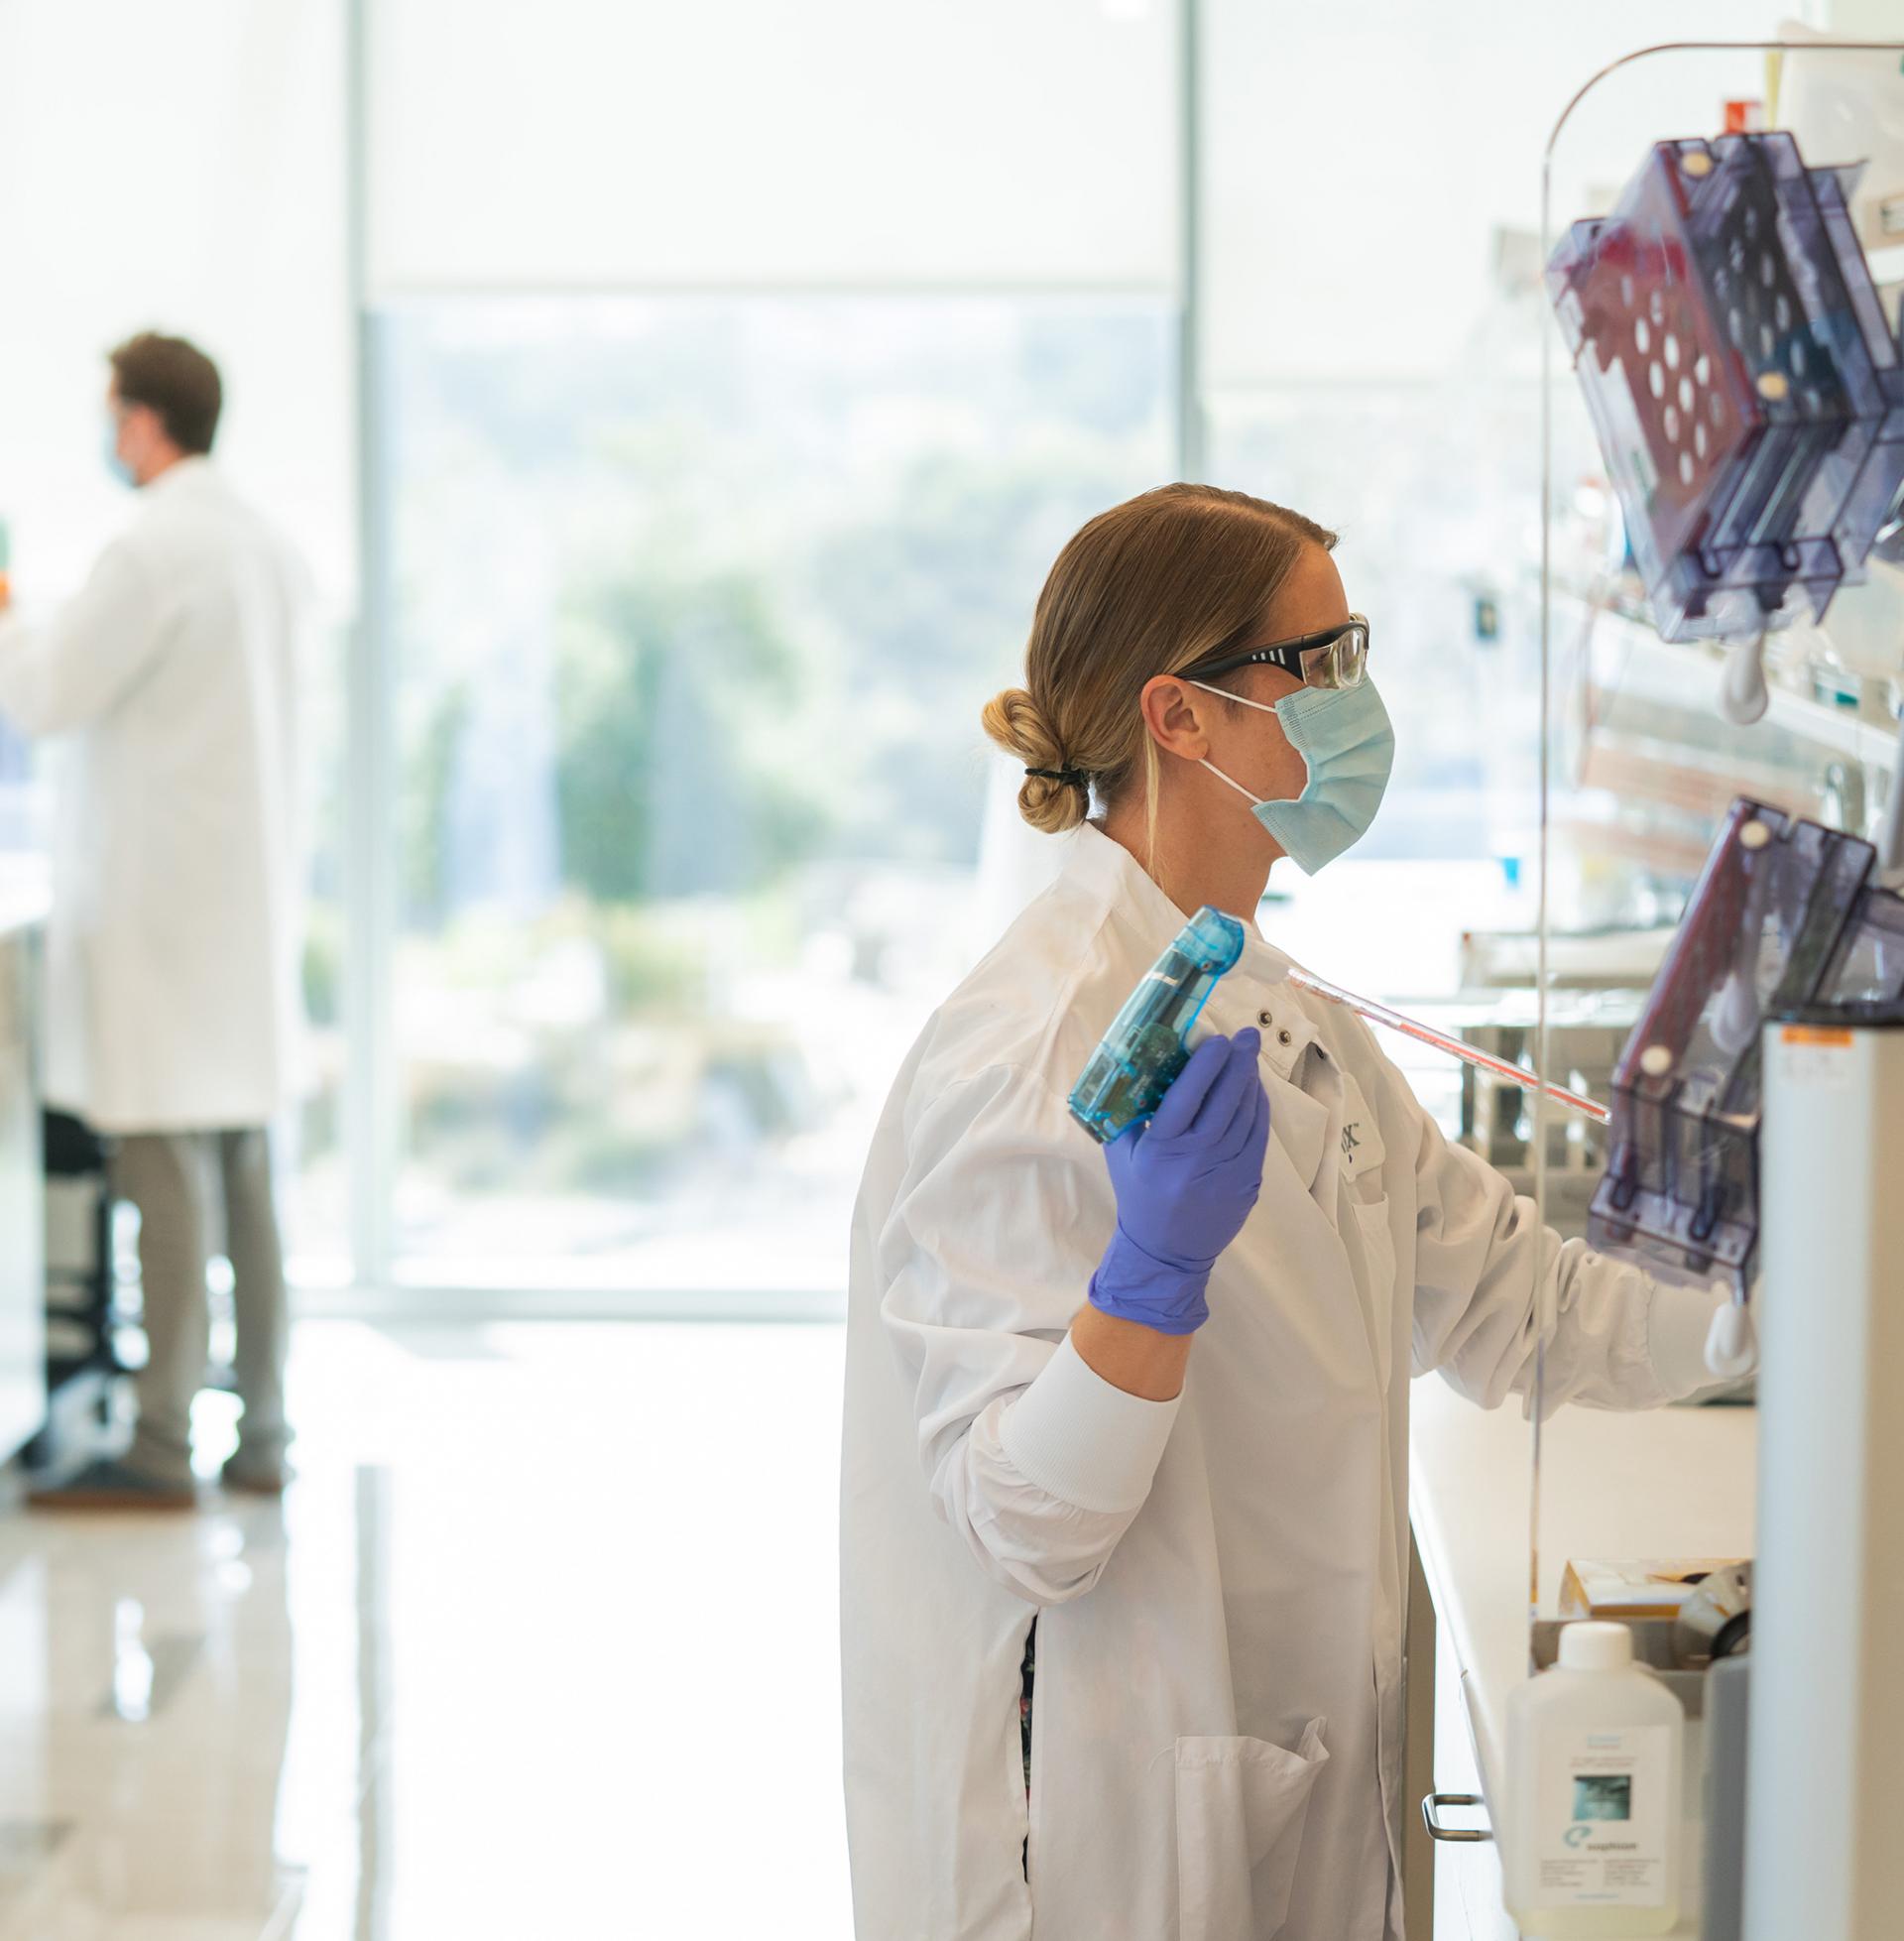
(1593, 1826)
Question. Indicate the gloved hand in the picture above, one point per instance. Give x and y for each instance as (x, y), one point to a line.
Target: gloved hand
(1185, 1185)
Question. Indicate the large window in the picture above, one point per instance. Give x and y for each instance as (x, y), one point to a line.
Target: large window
(692, 604)
(727, 394)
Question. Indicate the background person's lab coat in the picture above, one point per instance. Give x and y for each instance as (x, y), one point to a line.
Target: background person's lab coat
(1219, 1581)
(171, 680)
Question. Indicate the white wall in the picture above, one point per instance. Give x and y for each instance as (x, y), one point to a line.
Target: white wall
(1359, 158)
(854, 141)
(177, 166)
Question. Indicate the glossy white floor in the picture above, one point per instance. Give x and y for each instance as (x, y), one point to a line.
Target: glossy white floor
(543, 1642)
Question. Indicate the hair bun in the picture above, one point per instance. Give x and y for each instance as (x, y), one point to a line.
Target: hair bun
(1055, 797)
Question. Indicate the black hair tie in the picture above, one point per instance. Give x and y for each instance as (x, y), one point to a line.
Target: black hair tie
(1076, 777)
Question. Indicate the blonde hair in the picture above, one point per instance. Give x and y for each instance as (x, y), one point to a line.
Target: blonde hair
(1151, 587)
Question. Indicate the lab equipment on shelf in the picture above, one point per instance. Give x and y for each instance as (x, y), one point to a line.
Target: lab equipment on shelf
(1147, 1045)
(1745, 387)
(1785, 914)
(1745, 376)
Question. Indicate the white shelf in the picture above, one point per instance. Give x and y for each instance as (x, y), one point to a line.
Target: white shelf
(1841, 730)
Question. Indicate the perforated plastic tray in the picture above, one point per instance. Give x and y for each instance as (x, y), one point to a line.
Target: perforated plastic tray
(1785, 914)
(1747, 392)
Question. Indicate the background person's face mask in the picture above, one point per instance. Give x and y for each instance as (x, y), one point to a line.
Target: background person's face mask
(1344, 737)
(116, 465)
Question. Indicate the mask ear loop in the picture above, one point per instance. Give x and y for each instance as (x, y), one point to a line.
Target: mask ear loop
(1242, 700)
(1255, 802)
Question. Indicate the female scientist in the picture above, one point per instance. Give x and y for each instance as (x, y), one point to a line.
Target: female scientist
(1125, 1484)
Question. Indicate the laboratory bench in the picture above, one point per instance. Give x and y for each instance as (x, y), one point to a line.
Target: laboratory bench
(23, 1353)
(1667, 1483)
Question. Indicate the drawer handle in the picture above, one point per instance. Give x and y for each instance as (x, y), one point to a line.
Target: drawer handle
(1437, 1831)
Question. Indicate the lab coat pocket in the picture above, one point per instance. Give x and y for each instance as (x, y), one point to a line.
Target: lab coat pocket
(1379, 1280)
(1241, 1807)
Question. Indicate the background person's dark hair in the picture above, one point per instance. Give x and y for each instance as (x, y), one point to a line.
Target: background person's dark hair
(176, 380)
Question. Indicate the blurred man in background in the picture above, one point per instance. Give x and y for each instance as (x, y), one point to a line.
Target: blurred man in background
(172, 950)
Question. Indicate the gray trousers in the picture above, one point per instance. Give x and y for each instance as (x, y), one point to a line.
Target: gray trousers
(198, 1193)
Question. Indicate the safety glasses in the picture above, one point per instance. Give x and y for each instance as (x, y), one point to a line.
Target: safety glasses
(1337, 656)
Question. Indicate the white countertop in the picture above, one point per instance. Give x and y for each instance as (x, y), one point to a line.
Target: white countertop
(1669, 1483)
(25, 892)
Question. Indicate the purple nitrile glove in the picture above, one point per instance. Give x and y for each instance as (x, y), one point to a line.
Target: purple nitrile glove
(1185, 1185)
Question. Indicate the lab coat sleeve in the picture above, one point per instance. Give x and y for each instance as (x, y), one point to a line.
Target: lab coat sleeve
(1036, 1462)
(1618, 1338)
(67, 672)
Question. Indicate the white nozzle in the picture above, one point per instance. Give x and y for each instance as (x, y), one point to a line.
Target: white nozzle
(1890, 842)
(1732, 1343)
(1742, 695)
(1733, 1020)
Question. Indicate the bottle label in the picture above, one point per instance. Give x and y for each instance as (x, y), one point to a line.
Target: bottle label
(1606, 1821)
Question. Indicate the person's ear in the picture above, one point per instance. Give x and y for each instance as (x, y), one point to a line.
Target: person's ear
(144, 430)
(1178, 715)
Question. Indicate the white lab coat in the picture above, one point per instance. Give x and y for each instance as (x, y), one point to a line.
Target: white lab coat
(172, 986)
(1218, 1581)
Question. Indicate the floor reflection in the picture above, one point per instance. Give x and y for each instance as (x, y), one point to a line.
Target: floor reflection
(146, 1682)
(541, 1641)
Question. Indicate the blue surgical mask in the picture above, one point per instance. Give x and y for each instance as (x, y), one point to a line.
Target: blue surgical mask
(116, 465)
(1344, 736)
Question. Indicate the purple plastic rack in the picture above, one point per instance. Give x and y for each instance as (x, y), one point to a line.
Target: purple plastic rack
(1747, 395)
(1785, 916)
